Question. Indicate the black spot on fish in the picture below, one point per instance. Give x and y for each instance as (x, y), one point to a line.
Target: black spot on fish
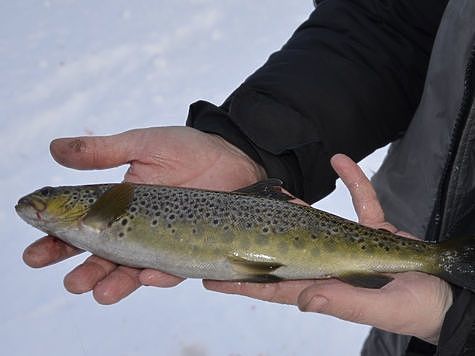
(129, 229)
(133, 209)
(387, 249)
(154, 222)
(265, 230)
(363, 247)
(121, 234)
(124, 222)
(314, 237)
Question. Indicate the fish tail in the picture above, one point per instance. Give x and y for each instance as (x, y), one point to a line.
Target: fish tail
(457, 262)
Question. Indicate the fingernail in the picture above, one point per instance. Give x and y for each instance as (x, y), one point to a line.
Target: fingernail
(315, 304)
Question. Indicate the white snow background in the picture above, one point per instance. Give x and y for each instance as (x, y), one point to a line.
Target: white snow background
(72, 68)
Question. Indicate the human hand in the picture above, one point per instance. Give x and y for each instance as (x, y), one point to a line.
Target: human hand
(178, 156)
(413, 303)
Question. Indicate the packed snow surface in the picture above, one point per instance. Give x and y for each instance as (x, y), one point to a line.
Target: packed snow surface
(71, 68)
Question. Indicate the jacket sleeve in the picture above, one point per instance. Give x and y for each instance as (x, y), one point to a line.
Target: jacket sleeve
(348, 80)
(457, 336)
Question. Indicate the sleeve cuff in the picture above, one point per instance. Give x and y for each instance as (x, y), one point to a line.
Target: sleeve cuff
(209, 118)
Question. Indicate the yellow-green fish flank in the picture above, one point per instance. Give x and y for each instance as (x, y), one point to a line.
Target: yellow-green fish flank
(253, 234)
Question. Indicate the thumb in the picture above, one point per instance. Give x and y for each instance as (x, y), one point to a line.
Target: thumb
(96, 152)
(373, 307)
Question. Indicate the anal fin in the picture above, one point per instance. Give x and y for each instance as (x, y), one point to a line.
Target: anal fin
(366, 280)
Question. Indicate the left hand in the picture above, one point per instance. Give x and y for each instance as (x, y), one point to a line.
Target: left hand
(413, 303)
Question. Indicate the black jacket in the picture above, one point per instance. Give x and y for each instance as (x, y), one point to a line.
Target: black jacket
(348, 81)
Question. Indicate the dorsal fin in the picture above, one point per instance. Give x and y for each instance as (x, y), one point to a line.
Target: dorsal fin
(110, 206)
(269, 188)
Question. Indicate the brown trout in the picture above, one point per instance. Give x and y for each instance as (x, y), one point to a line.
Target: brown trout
(253, 234)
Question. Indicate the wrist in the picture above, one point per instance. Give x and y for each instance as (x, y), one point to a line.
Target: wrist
(251, 168)
(446, 299)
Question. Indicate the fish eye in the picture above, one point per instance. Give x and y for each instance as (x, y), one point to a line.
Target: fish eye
(46, 191)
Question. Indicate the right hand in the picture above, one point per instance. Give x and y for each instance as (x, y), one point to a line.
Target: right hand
(176, 156)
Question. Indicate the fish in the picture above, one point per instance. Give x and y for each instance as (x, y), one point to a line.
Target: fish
(253, 234)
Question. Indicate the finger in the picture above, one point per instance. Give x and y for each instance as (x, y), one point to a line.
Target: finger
(117, 285)
(364, 197)
(97, 152)
(294, 199)
(281, 292)
(84, 277)
(48, 250)
(375, 307)
(151, 277)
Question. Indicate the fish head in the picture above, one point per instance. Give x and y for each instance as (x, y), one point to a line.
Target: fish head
(53, 208)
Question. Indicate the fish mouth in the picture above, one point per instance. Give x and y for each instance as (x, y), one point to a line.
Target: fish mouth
(31, 203)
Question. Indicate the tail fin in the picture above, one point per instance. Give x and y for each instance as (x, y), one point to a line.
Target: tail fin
(457, 262)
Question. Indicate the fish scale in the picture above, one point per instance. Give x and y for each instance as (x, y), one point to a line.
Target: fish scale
(253, 234)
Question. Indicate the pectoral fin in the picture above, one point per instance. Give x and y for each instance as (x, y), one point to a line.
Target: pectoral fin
(254, 271)
(366, 280)
(110, 206)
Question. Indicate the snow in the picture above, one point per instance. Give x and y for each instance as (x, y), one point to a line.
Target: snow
(72, 68)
